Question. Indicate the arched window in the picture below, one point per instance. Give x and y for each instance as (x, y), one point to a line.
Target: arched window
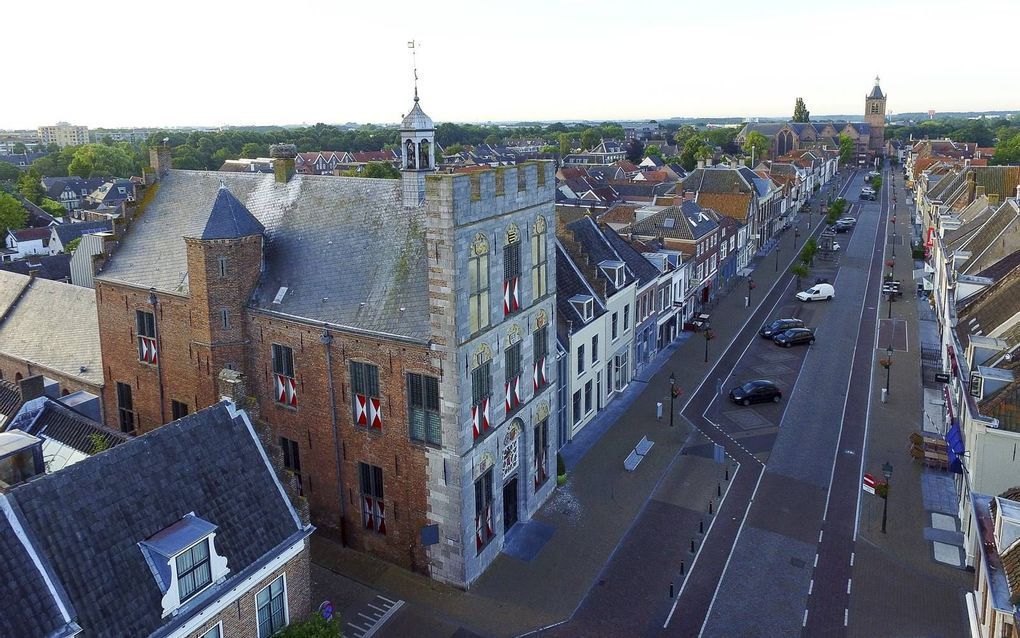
(409, 154)
(784, 143)
(512, 270)
(423, 153)
(17, 376)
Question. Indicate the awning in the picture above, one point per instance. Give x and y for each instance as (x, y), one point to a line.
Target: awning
(744, 272)
(954, 439)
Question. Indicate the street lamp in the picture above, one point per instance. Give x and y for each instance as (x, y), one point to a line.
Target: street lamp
(777, 256)
(887, 473)
(750, 286)
(709, 335)
(672, 395)
(888, 367)
(892, 298)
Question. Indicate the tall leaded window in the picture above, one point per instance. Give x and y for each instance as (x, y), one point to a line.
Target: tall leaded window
(540, 348)
(539, 260)
(284, 382)
(423, 408)
(512, 271)
(365, 390)
(481, 393)
(373, 507)
(484, 531)
(292, 460)
(478, 284)
(541, 440)
(512, 386)
(125, 407)
(271, 608)
(193, 570)
(145, 328)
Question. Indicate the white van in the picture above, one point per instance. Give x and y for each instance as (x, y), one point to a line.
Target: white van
(817, 292)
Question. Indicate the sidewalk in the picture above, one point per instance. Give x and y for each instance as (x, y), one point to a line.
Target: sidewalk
(592, 513)
(898, 587)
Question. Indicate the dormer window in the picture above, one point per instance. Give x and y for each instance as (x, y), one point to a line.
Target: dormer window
(614, 271)
(183, 561)
(584, 305)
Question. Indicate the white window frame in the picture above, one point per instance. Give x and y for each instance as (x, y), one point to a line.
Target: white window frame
(286, 606)
(219, 631)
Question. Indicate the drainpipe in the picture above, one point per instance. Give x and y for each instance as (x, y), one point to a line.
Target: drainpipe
(327, 341)
(154, 301)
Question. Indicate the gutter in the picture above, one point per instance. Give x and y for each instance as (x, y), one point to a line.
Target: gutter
(327, 342)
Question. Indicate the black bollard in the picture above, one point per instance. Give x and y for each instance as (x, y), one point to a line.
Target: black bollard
(718, 489)
(727, 475)
(710, 507)
(681, 568)
(692, 545)
(701, 527)
(671, 590)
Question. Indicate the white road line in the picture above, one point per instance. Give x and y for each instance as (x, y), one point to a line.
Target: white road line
(852, 558)
(816, 560)
(846, 616)
(369, 618)
(811, 587)
(805, 618)
(378, 609)
(848, 582)
(382, 621)
(733, 548)
(697, 554)
(820, 532)
(392, 602)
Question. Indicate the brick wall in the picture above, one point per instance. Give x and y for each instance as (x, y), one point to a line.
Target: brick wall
(10, 368)
(240, 619)
(310, 424)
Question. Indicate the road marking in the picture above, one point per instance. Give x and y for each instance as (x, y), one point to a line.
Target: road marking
(852, 558)
(392, 602)
(805, 618)
(820, 532)
(811, 587)
(846, 616)
(697, 554)
(848, 582)
(816, 560)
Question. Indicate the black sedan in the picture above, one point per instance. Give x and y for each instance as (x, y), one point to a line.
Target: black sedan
(759, 391)
(795, 336)
(770, 330)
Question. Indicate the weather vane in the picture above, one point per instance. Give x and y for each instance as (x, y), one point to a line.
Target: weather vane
(414, 66)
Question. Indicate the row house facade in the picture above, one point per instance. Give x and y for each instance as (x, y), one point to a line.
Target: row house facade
(409, 390)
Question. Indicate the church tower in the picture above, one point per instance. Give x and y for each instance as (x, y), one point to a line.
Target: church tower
(417, 153)
(874, 115)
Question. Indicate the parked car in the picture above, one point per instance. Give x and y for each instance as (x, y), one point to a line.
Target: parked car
(794, 336)
(846, 220)
(840, 227)
(757, 391)
(868, 194)
(817, 293)
(770, 330)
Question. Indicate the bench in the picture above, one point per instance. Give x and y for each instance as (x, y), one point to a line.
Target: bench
(637, 454)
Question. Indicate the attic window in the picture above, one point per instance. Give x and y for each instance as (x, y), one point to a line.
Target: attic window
(183, 560)
(614, 270)
(584, 305)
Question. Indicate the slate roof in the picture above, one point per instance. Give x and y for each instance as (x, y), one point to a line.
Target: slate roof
(52, 267)
(109, 192)
(717, 180)
(67, 232)
(32, 234)
(689, 221)
(56, 185)
(69, 436)
(229, 219)
(416, 120)
(597, 249)
(85, 521)
(641, 268)
(990, 308)
(10, 399)
(23, 159)
(570, 282)
(313, 224)
(876, 92)
(52, 325)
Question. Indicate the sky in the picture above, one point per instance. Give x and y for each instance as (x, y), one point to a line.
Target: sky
(216, 62)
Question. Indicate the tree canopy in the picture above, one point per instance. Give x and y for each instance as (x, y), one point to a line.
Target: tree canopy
(756, 144)
(800, 112)
(100, 160)
(12, 213)
(846, 149)
(375, 170)
(635, 150)
(30, 185)
(1007, 151)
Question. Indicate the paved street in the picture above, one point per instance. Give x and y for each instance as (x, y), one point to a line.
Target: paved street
(784, 504)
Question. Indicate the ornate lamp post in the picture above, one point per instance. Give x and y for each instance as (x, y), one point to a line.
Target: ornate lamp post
(709, 335)
(888, 367)
(750, 286)
(887, 473)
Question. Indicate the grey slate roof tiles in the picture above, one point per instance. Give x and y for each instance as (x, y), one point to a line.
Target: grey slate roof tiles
(229, 219)
(643, 269)
(67, 232)
(347, 250)
(28, 608)
(86, 520)
(55, 267)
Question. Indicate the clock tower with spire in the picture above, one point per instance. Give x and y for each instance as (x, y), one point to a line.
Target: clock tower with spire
(874, 115)
(417, 152)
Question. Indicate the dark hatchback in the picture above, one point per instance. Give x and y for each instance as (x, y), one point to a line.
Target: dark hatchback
(795, 336)
(778, 326)
(759, 391)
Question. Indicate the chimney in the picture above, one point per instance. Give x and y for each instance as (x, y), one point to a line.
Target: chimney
(708, 162)
(32, 388)
(701, 163)
(1018, 192)
(232, 386)
(160, 160)
(971, 186)
(283, 161)
(734, 163)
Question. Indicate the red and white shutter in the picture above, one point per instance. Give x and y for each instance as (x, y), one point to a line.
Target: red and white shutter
(147, 350)
(508, 395)
(476, 421)
(360, 409)
(485, 415)
(368, 513)
(506, 296)
(374, 413)
(479, 540)
(515, 294)
(291, 392)
(380, 515)
(517, 390)
(286, 390)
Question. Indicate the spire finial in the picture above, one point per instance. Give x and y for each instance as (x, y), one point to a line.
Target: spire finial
(876, 79)
(414, 66)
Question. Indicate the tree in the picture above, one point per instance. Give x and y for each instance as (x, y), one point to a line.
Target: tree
(491, 140)
(9, 172)
(254, 149)
(565, 143)
(589, 138)
(53, 207)
(756, 144)
(635, 150)
(20, 148)
(694, 149)
(314, 626)
(549, 149)
(808, 251)
(653, 151)
(1007, 151)
(685, 133)
(12, 214)
(454, 149)
(800, 269)
(71, 245)
(847, 149)
(375, 170)
(800, 112)
(30, 186)
(99, 160)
